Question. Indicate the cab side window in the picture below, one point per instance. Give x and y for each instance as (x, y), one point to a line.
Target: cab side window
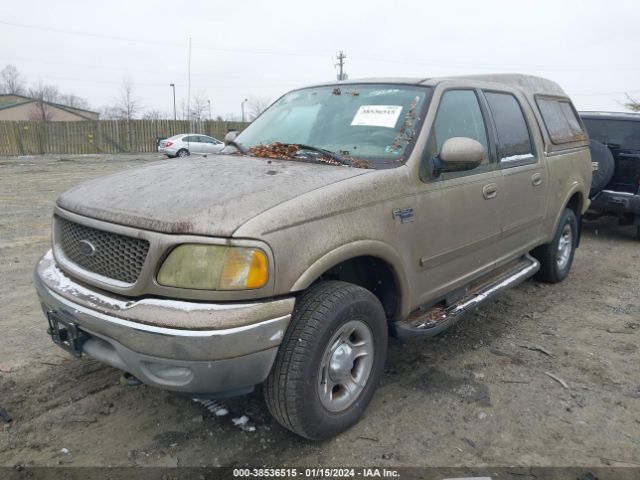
(459, 115)
(561, 120)
(514, 142)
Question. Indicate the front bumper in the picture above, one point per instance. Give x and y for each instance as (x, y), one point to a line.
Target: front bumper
(173, 345)
(609, 201)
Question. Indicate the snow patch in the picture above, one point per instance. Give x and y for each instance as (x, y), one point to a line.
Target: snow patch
(189, 306)
(516, 158)
(55, 276)
(243, 424)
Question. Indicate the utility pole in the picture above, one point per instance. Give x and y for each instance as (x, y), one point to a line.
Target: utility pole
(342, 75)
(173, 85)
(209, 102)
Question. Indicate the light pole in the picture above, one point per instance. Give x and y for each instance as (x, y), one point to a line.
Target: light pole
(209, 102)
(173, 85)
(242, 106)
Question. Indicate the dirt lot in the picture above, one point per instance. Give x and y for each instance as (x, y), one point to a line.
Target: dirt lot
(480, 394)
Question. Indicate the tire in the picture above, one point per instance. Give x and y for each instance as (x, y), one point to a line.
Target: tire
(183, 152)
(305, 391)
(638, 233)
(601, 155)
(556, 257)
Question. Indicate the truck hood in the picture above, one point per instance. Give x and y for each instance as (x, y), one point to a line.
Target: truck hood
(204, 196)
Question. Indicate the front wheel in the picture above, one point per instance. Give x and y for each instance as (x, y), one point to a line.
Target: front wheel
(330, 361)
(556, 257)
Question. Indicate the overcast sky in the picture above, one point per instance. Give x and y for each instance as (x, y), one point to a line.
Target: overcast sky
(252, 48)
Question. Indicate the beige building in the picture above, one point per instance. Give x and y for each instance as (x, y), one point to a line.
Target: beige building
(18, 107)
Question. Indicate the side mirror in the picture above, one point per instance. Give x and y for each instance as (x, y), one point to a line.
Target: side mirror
(458, 154)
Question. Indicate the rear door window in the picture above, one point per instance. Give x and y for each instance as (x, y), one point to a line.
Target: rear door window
(560, 120)
(514, 140)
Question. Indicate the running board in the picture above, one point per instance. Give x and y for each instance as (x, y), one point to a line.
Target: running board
(427, 322)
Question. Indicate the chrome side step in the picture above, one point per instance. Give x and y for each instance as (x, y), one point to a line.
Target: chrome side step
(427, 322)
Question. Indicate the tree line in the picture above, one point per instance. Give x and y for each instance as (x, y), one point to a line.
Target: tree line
(127, 105)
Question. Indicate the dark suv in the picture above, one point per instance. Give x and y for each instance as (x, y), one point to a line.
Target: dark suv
(616, 180)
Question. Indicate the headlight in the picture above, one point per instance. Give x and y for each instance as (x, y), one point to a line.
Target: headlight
(214, 267)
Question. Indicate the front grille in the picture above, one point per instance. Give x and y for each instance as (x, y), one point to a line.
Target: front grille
(113, 255)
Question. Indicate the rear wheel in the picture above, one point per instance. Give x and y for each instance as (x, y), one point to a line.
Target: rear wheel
(556, 257)
(183, 152)
(330, 361)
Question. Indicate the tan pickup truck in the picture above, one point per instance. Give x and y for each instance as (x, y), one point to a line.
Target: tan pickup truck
(344, 213)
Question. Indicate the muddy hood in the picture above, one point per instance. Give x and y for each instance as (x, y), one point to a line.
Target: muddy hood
(204, 196)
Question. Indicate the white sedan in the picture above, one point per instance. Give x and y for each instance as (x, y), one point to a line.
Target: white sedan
(187, 143)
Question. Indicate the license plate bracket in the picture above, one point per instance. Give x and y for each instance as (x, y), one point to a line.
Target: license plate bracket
(65, 333)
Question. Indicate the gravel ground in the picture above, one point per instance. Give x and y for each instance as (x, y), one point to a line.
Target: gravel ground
(483, 393)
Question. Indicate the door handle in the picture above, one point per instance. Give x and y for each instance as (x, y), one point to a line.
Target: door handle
(490, 191)
(536, 179)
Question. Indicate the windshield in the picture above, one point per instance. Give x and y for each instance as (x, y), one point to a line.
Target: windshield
(369, 126)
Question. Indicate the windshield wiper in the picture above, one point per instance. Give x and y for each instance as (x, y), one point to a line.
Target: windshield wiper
(239, 146)
(327, 153)
(291, 151)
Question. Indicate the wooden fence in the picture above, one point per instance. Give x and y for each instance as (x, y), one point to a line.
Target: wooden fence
(101, 136)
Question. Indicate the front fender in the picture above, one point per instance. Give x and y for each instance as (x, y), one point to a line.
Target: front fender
(355, 249)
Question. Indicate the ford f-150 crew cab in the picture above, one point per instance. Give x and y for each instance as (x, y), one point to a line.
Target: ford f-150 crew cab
(344, 213)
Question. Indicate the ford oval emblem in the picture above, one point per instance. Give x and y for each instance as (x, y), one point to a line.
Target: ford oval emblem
(86, 248)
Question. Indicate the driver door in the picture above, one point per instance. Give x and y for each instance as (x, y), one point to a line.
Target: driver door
(459, 213)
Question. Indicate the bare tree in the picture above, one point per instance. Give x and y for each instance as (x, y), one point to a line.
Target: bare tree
(12, 81)
(44, 95)
(197, 110)
(152, 114)
(184, 110)
(257, 105)
(230, 117)
(127, 105)
(110, 113)
(631, 103)
(73, 101)
(199, 107)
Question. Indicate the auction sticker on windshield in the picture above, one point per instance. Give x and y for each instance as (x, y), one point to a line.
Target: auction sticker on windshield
(377, 115)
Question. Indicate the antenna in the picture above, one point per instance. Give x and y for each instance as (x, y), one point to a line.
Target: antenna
(189, 86)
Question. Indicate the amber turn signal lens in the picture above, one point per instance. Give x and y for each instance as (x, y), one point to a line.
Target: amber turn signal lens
(244, 268)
